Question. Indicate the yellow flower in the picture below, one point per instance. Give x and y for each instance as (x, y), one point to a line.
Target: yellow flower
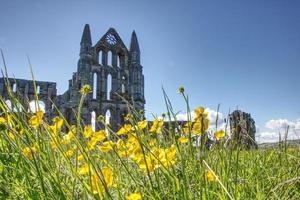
(199, 111)
(80, 157)
(167, 157)
(96, 137)
(219, 134)
(28, 153)
(2, 120)
(200, 126)
(141, 125)
(91, 144)
(86, 89)
(134, 196)
(157, 126)
(96, 184)
(120, 144)
(147, 163)
(106, 146)
(210, 176)
(187, 127)
(84, 169)
(128, 117)
(70, 153)
(153, 142)
(183, 140)
(99, 136)
(125, 129)
(52, 129)
(57, 124)
(36, 120)
(88, 131)
(58, 121)
(11, 135)
(67, 139)
(35, 147)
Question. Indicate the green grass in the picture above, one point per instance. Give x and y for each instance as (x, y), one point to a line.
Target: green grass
(51, 174)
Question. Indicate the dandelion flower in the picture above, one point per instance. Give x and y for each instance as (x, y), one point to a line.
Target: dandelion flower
(183, 140)
(84, 169)
(88, 131)
(141, 125)
(125, 129)
(106, 147)
(27, 152)
(209, 175)
(219, 134)
(86, 89)
(134, 196)
(157, 126)
(96, 183)
(36, 120)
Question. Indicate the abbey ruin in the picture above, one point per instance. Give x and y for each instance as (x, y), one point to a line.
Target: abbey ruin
(113, 71)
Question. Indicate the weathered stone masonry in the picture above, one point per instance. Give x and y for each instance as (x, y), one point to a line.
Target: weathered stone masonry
(109, 67)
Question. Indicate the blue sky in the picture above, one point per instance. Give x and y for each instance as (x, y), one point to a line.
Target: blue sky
(243, 54)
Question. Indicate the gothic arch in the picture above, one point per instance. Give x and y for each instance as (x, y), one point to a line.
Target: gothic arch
(109, 58)
(95, 84)
(109, 84)
(100, 57)
(8, 104)
(35, 105)
(93, 120)
(14, 88)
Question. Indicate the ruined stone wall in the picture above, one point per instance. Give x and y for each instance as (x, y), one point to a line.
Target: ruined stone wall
(24, 90)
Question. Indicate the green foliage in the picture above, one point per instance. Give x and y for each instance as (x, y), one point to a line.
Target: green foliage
(50, 167)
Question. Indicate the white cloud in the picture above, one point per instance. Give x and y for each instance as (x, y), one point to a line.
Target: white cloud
(279, 124)
(266, 137)
(269, 136)
(297, 124)
(278, 129)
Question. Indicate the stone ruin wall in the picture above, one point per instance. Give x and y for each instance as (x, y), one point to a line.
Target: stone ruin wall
(25, 92)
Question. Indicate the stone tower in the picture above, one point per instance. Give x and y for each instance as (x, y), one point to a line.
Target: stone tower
(243, 129)
(113, 72)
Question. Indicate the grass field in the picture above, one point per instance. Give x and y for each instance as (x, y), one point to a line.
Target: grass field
(142, 160)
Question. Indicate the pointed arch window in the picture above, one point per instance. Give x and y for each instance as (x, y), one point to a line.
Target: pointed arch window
(14, 87)
(119, 61)
(34, 106)
(123, 89)
(107, 119)
(109, 58)
(93, 120)
(38, 89)
(8, 104)
(109, 87)
(95, 79)
(100, 60)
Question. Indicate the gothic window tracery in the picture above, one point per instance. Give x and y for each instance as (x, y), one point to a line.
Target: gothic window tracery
(95, 78)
